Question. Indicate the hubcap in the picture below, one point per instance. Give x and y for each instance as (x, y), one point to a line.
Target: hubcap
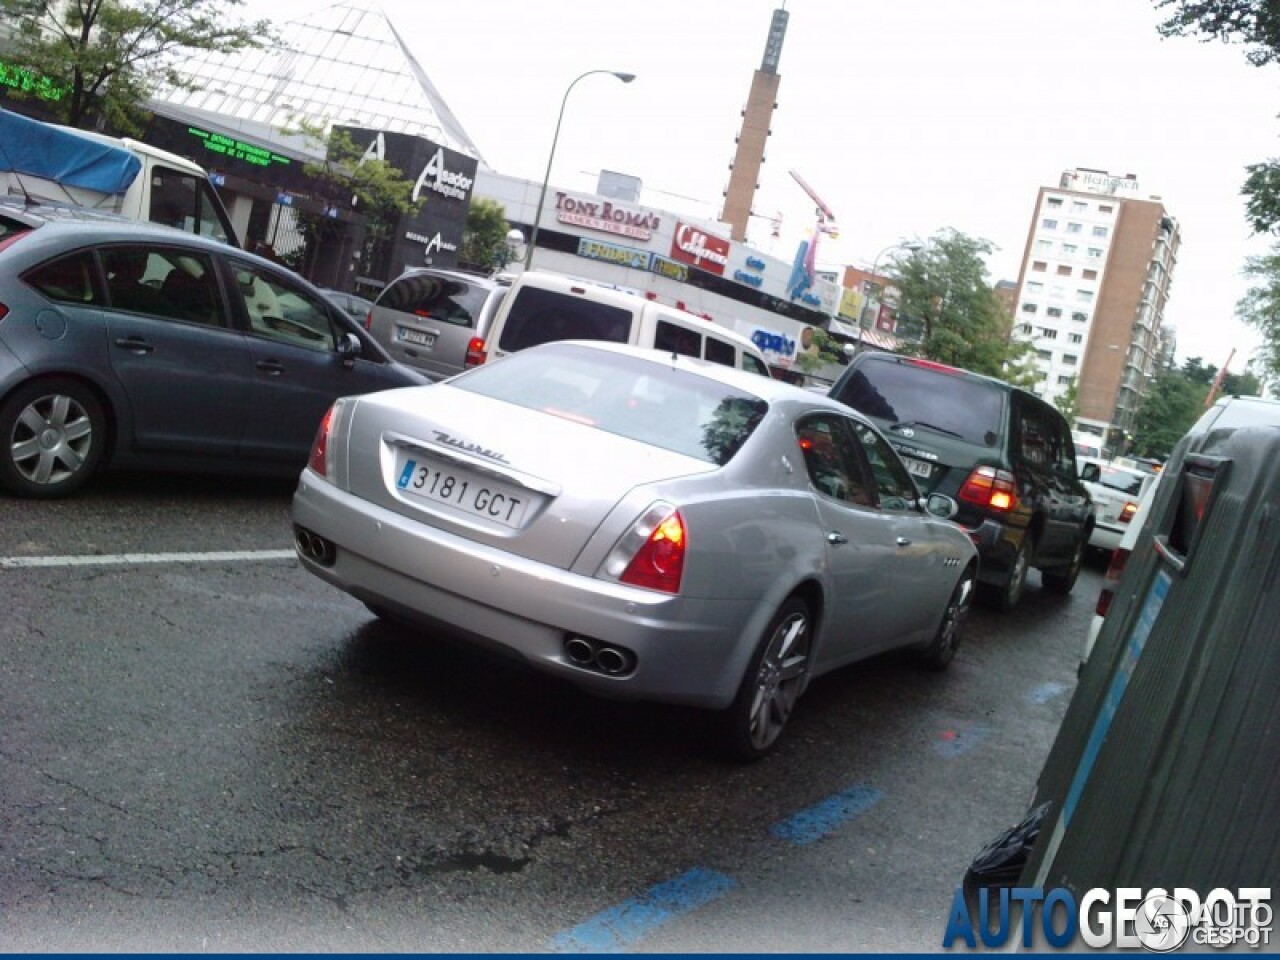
(778, 680)
(51, 439)
(1017, 575)
(957, 611)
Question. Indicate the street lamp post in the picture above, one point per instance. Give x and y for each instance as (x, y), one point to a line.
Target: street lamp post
(913, 246)
(542, 197)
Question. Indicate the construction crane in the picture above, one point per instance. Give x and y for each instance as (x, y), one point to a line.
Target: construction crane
(826, 218)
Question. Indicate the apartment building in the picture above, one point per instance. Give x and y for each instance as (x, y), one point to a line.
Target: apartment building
(1092, 292)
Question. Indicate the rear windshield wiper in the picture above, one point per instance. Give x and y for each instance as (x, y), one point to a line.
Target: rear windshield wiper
(927, 426)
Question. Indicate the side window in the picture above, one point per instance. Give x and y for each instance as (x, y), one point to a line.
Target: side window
(282, 311)
(174, 284)
(535, 316)
(722, 353)
(677, 339)
(1064, 448)
(752, 364)
(436, 298)
(68, 279)
(831, 460)
(1037, 444)
(185, 201)
(896, 488)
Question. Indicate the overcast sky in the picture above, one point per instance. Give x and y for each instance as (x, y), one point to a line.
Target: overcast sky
(906, 117)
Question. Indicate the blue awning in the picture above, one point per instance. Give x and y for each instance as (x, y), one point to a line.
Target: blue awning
(61, 154)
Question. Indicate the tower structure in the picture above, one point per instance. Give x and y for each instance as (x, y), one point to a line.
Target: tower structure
(757, 116)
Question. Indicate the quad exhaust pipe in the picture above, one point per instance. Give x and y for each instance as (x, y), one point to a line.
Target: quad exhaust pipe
(591, 654)
(314, 547)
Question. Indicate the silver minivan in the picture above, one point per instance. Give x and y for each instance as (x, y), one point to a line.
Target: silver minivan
(437, 320)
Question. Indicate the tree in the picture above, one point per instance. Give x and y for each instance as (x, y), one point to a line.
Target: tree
(943, 289)
(1260, 309)
(484, 240)
(1068, 402)
(350, 179)
(1167, 412)
(110, 56)
(1256, 26)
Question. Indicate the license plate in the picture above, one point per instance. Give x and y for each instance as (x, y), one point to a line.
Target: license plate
(918, 468)
(469, 492)
(416, 337)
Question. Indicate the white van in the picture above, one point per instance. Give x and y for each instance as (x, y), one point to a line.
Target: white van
(541, 307)
(45, 161)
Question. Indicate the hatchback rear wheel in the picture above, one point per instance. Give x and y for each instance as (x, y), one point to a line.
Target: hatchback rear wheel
(772, 684)
(52, 438)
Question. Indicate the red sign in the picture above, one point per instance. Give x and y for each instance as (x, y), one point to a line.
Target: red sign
(885, 318)
(693, 246)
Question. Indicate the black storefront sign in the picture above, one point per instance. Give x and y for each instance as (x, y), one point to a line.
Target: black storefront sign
(443, 180)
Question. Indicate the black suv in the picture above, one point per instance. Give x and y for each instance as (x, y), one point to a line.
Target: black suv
(1003, 454)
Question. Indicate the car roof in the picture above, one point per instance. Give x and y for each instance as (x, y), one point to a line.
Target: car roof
(481, 279)
(884, 356)
(1231, 413)
(72, 231)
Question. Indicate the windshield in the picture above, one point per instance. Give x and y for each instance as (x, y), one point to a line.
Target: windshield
(896, 392)
(664, 406)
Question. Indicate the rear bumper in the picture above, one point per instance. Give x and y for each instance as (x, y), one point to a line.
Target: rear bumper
(687, 650)
(997, 545)
(1105, 537)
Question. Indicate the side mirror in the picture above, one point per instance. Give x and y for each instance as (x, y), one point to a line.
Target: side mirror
(349, 348)
(940, 505)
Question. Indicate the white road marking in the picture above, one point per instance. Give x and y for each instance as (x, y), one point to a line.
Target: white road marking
(132, 559)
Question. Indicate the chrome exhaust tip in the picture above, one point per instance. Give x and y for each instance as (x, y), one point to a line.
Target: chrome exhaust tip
(613, 661)
(580, 651)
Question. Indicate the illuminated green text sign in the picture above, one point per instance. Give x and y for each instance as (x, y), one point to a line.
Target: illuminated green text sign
(237, 149)
(20, 78)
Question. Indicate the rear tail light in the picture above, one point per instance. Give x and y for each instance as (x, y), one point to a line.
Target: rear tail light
(651, 554)
(476, 353)
(990, 487)
(4, 311)
(1127, 512)
(1119, 557)
(321, 461)
(368, 320)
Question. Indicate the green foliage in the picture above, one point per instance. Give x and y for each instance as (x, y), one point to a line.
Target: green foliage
(1260, 309)
(1254, 24)
(824, 350)
(1172, 404)
(484, 240)
(1068, 403)
(943, 287)
(109, 56)
(1262, 195)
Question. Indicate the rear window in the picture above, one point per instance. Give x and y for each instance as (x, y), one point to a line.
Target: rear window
(442, 299)
(1125, 481)
(946, 403)
(663, 406)
(542, 316)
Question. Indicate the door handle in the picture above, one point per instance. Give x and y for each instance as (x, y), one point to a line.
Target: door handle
(903, 542)
(272, 368)
(836, 538)
(134, 345)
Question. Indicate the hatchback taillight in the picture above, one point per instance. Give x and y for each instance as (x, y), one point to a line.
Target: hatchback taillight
(476, 353)
(651, 554)
(991, 488)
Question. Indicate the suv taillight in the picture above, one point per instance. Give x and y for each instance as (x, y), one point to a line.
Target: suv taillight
(476, 353)
(1119, 557)
(991, 488)
(1127, 512)
(368, 320)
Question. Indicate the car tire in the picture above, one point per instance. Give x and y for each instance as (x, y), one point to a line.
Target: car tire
(773, 682)
(1062, 579)
(941, 650)
(53, 434)
(1007, 595)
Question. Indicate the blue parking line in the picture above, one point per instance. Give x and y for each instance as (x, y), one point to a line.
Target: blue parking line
(819, 820)
(630, 922)
(955, 743)
(1045, 692)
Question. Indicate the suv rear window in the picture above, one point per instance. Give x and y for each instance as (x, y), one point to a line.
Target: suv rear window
(443, 299)
(643, 401)
(542, 316)
(920, 396)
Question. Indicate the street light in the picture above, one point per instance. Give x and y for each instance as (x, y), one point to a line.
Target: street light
(912, 246)
(542, 197)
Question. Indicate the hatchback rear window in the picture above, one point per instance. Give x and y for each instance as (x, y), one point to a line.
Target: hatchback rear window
(662, 406)
(919, 396)
(442, 299)
(543, 316)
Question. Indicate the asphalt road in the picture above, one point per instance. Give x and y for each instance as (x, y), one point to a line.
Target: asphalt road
(224, 754)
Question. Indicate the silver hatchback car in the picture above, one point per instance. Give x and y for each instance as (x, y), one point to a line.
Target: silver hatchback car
(643, 524)
(436, 320)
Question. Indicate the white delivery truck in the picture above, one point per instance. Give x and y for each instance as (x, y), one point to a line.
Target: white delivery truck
(44, 161)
